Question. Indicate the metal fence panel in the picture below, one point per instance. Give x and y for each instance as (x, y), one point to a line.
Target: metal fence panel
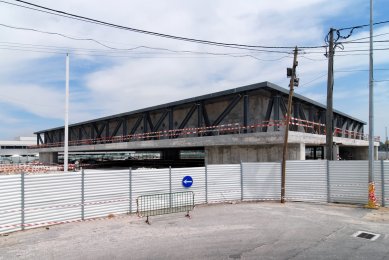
(52, 198)
(10, 203)
(198, 186)
(261, 181)
(224, 183)
(165, 203)
(306, 181)
(348, 181)
(148, 182)
(106, 192)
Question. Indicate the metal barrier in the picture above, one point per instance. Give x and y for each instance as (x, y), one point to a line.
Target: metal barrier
(165, 203)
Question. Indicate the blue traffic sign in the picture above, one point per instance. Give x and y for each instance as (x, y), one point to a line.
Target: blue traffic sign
(187, 181)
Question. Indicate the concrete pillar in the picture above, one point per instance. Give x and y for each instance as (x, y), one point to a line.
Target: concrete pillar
(375, 152)
(302, 151)
(335, 150)
(48, 157)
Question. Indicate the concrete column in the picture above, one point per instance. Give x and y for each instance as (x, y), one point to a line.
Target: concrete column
(302, 151)
(376, 153)
(48, 157)
(335, 152)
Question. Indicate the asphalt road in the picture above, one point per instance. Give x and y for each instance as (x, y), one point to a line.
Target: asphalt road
(222, 231)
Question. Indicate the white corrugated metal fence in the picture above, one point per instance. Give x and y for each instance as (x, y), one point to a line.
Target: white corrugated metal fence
(28, 201)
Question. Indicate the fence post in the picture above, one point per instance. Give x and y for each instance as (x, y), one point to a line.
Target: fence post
(328, 182)
(170, 186)
(82, 194)
(206, 183)
(241, 181)
(22, 200)
(130, 190)
(383, 183)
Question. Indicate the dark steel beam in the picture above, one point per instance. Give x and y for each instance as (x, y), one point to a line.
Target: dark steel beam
(160, 120)
(136, 125)
(296, 115)
(276, 112)
(148, 118)
(205, 115)
(107, 129)
(245, 112)
(302, 116)
(283, 107)
(97, 130)
(119, 123)
(227, 110)
(199, 115)
(80, 133)
(145, 123)
(125, 126)
(311, 118)
(39, 139)
(188, 116)
(72, 134)
(268, 113)
(171, 119)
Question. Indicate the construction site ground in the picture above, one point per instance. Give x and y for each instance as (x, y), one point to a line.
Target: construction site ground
(261, 230)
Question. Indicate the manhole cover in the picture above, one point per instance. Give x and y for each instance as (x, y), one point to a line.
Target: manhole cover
(366, 235)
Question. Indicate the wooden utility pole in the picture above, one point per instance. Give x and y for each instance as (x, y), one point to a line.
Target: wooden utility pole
(330, 87)
(293, 82)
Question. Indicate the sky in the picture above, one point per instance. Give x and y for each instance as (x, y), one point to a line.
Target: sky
(106, 77)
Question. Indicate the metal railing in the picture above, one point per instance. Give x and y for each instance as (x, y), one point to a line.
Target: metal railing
(232, 128)
(165, 203)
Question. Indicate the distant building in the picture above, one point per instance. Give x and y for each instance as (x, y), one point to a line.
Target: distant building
(16, 151)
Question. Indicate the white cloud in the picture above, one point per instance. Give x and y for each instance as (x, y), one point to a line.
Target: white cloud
(34, 81)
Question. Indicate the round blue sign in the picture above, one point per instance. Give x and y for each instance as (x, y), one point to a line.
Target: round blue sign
(187, 181)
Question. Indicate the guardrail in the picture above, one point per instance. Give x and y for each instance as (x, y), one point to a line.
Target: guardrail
(165, 203)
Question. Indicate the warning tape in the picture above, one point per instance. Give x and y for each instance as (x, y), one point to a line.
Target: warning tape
(51, 223)
(65, 206)
(220, 129)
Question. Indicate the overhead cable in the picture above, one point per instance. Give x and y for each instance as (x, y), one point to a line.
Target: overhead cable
(169, 36)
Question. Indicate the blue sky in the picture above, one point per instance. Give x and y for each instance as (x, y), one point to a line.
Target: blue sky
(104, 82)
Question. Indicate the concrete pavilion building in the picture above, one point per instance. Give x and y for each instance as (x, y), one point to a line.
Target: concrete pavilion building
(240, 124)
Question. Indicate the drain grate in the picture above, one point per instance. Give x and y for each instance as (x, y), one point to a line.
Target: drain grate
(366, 235)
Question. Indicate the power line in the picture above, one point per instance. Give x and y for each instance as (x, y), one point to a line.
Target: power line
(363, 38)
(362, 26)
(94, 52)
(99, 22)
(148, 47)
(383, 80)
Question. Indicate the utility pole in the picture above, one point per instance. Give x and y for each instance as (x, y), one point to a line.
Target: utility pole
(372, 200)
(66, 139)
(291, 72)
(330, 88)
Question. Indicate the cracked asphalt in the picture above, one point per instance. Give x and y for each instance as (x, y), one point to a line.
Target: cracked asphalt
(262, 230)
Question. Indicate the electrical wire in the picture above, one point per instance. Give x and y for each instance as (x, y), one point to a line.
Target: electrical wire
(99, 22)
(147, 47)
(362, 26)
(93, 52)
